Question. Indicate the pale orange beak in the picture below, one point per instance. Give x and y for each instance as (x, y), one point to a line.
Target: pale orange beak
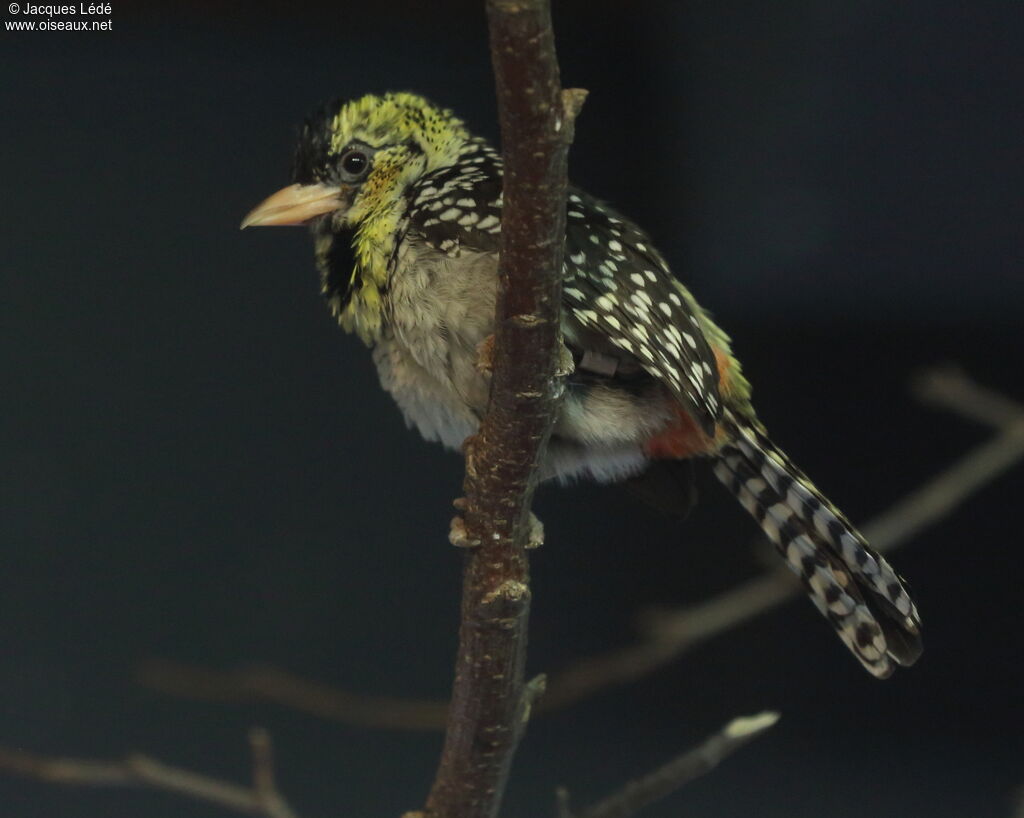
(295, 204)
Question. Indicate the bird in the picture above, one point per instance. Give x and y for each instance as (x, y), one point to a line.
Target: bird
(404, 205)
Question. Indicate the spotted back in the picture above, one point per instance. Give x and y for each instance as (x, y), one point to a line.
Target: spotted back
(460, 205)
(617, 286)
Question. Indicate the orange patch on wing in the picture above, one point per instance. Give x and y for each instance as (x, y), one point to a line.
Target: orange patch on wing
(724, 363)
(683, 437)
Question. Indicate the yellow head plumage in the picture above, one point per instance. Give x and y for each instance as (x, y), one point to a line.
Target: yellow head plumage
(353, 165)
(403, 137)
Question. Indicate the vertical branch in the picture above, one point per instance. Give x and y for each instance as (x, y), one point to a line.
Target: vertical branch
(490, 703)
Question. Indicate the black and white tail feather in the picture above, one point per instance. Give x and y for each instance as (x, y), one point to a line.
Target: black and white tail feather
(851, 584)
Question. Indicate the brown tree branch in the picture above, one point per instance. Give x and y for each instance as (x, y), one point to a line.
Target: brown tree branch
(261, 799)
(668, 778)
(490, 704)
(666, 634)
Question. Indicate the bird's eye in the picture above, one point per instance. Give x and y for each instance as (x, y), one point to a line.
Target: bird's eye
(355, 163)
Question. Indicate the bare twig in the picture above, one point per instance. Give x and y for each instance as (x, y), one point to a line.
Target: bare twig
(490, 704)
(668, 778)
(268, 684)
(262, 799)
(949, 387)
(667, 634)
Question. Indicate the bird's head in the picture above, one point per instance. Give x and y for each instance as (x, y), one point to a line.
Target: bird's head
(353, 165)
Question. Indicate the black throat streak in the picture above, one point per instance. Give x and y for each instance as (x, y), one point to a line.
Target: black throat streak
(339, 275)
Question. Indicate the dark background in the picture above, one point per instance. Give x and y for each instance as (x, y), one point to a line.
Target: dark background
(198, 465)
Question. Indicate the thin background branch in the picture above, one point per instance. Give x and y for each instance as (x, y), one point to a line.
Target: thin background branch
(140, 771)
(666, 633)
(669, 633)
(656, 785)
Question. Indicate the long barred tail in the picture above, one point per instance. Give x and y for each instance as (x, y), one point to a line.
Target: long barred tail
(850, 583)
